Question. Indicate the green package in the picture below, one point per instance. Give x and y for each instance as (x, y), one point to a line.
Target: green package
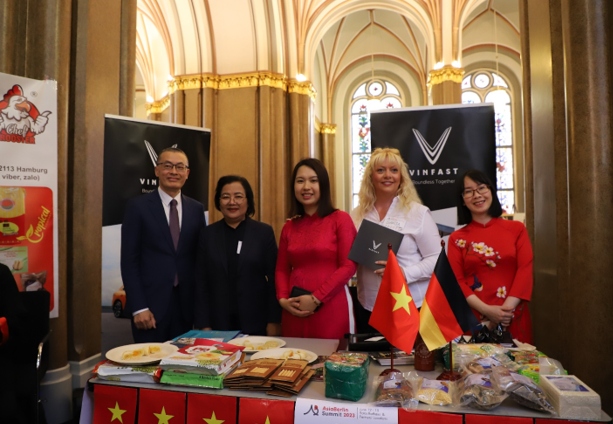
(178, 378)
(346, 375)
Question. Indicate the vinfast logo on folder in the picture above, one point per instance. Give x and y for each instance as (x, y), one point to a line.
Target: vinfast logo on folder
(370, 244)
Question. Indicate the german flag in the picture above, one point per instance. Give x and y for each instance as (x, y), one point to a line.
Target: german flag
(444, 314)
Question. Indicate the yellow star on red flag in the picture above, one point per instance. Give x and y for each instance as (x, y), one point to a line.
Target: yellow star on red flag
(117, 413)
(402, 300)
(399, 329)
(267, 420)
(162, 417)
(213, 419)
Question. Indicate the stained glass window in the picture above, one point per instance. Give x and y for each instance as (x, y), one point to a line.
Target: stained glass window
(489, 87)
(373, 95)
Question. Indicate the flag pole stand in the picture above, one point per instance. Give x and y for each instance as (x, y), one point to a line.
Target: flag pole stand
(391, 369)
(450, 374)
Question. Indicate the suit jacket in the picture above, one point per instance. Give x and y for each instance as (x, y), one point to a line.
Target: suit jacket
(149, 261)
(256, 300)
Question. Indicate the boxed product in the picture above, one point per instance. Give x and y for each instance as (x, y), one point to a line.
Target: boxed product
(181, 378)
(108, 370)
(571, 397)
(204, 356)
(346, 375)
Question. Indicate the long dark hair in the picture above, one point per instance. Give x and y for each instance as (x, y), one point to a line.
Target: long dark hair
(229, 179)
(464, 215)
(324, 206)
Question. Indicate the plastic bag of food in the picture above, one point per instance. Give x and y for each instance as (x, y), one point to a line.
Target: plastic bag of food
(395, 390)
(476, 391)
(435, 392)
(550, 366)
(521, 389)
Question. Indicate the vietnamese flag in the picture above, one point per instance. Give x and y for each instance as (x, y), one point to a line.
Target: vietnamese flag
(161, 407)
(445, 314)
(210, 409)
(395, 314)
(264, 411)
(114, 404)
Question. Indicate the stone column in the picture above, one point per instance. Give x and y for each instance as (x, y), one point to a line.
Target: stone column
(301, 125)
(446, 85)
(328, 150)
(567, 101)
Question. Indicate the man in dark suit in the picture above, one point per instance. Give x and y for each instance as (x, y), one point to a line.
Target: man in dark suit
(237, 257)
(159, 242)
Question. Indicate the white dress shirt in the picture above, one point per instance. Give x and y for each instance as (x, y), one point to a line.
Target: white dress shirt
(166, 203)
(416, 255)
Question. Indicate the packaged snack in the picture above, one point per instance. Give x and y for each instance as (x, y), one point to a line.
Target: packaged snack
(571, 397)
(434, 392)
(476, 391)
(521, 389)
(345, 375)
(393, 390)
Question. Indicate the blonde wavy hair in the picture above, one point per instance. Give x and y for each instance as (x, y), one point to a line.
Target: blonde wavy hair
(406, 190)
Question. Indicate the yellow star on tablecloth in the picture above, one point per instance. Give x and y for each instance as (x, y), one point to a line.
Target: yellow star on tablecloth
(213, 419)
(117, 413)
(402, 300)
(162, 417)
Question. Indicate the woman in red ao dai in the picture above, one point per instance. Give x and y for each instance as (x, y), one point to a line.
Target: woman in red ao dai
(492, 258)
(313, 250)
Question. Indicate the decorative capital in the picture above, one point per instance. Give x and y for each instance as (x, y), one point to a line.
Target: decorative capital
(328, 128)
(446, 73)
(305, 88)
(158, 106)
(226, 82)
(187, 82)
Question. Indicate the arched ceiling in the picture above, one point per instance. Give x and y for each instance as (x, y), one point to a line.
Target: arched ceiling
(183, 37)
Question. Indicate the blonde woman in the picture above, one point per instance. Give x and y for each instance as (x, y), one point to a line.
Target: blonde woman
(388, 197)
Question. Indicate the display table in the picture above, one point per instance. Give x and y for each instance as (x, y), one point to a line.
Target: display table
(247, 403)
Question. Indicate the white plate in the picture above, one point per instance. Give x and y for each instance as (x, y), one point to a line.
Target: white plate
(120, 354)
(257, 343)
(285, 353)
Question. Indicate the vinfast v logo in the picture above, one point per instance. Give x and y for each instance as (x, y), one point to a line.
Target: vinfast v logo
(152, 153)
(375, 246)
(432, 153)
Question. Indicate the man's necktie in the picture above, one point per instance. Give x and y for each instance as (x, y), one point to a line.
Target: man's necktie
(173, 222)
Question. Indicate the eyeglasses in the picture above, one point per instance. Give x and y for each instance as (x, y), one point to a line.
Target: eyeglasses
(168, 166)
(470, 192)
(238, 198)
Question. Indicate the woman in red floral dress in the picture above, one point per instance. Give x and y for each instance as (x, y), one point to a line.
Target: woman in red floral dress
(313, 252)
(492, 258)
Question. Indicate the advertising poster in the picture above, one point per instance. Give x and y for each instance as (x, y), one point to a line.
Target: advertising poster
(28, 183)
(439, 143)
(131, 149)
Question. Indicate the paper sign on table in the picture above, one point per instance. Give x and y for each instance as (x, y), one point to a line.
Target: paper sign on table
(309, 411)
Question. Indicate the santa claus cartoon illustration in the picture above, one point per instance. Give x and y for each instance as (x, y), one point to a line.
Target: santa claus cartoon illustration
(19, 118)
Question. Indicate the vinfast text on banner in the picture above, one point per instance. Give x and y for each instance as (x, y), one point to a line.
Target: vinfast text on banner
(439, 143)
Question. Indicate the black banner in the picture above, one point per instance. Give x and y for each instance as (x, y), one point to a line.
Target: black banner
(131, 148)
(439, 144)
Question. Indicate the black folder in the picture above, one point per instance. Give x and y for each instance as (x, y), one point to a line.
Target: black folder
(370, 244)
